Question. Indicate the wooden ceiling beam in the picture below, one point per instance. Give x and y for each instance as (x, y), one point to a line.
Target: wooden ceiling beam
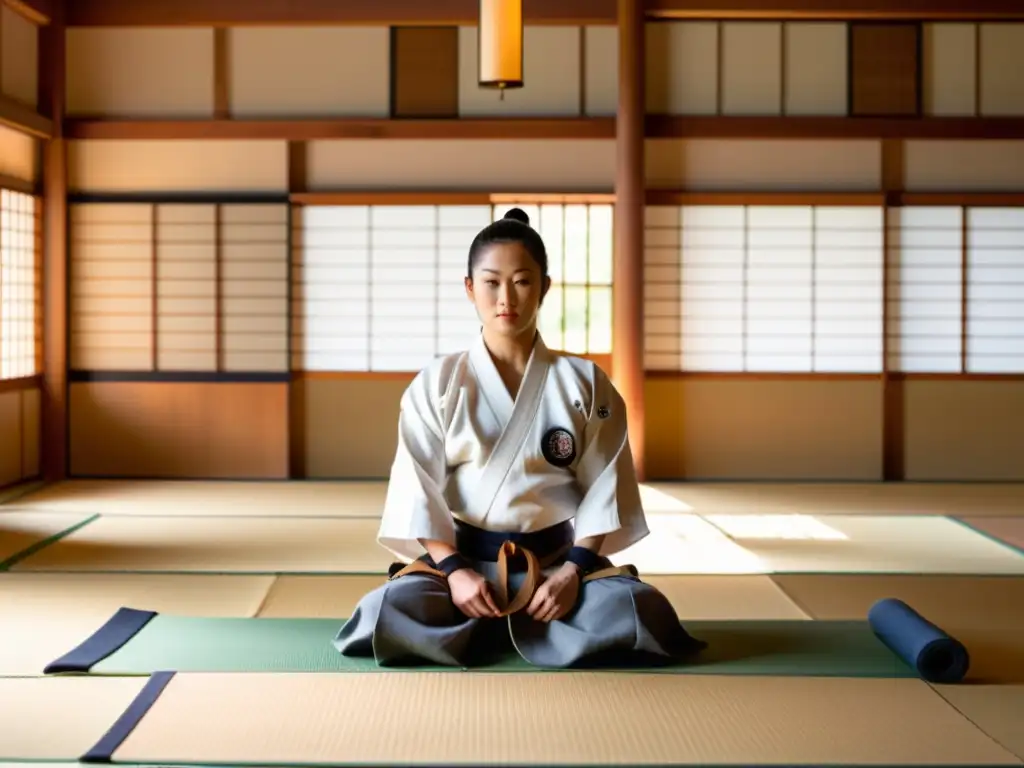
(712, 127)
(16, 115)
(242, 13)
(657, 127)
(838, 10)
(345, 128)
(37, 11)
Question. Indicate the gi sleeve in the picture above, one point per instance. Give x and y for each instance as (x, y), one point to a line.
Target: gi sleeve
(415, 507)
(611, 505)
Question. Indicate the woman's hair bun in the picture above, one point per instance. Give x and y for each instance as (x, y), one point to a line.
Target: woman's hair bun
(518, 214)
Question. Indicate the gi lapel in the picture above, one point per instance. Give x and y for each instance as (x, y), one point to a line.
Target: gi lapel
(521, 417)
(489, 384)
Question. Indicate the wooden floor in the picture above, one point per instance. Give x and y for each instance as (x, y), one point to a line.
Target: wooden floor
(73, 553)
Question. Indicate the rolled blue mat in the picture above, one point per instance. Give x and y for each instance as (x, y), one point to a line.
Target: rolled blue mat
(937, 657)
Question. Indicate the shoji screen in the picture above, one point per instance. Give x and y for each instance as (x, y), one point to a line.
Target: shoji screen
(403, 274)
(763, 288)
(111, 287)
(186, 287)
(380, 288)
(331, 289)
(848, 289)
(179, 287)
(19, 285)
(253, 284)
(995, 290)
(925, 289)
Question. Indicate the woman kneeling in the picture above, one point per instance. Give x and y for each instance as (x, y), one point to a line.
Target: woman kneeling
(512, 484)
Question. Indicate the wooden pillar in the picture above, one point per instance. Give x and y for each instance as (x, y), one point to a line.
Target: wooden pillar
(893, 440)
(627, 290)
(55, 279)
(298, 182)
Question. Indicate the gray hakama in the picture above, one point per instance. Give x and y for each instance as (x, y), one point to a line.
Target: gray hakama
(618, 619)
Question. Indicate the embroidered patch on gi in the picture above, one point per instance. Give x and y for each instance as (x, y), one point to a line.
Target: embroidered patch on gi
(558, 447)
(603, 412)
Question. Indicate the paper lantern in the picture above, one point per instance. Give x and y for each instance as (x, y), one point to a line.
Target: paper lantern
(500, 44)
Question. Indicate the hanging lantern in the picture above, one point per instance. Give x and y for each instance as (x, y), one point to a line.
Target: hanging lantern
(500, 44)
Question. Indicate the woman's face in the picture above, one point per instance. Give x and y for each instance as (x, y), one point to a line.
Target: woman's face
(507, 289)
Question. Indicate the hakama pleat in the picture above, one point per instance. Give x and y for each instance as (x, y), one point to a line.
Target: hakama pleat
(407, 621)
(617, 620)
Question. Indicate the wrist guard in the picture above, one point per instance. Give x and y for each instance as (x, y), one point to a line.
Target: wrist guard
(453, 563)
(584, 559)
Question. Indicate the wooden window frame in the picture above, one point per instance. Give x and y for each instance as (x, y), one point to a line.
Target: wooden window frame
(33, 379)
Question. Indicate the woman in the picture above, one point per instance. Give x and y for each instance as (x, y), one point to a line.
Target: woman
(510, 453)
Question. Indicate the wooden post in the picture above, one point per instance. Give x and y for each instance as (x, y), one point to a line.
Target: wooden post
(893, 439)
(55, 278)
(628, 285)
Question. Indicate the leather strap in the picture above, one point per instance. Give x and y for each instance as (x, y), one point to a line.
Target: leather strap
(615, 570)
(531, 583)
(418, 566)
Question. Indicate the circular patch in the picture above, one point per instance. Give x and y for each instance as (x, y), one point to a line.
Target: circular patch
(558, 447)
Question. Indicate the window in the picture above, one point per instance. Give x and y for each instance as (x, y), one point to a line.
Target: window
(380, 288)
(19, 286)
(179, 287)
(577, 313)
(763, 289)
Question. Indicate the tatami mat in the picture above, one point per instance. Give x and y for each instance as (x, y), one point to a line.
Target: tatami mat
(857, 544)
(44, 615)
(165, 498)
(59, 718)
(726, 598)
(678, 545)
(984, 613)
(365, 498)
(997, 709)
(709, 598)
(438, 718)
(1009, 531)
(19, 531)
(300, 597)
(874, 499)
(217, 545)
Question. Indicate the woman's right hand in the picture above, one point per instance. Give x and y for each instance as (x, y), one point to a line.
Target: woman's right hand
(472, 594)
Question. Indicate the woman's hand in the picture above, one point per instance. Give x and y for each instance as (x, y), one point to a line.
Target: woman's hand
(557, 595)
(472, 594)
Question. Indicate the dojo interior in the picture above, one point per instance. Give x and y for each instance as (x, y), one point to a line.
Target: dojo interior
(230, 234)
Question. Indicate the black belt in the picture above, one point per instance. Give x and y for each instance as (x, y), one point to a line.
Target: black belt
(478, 544)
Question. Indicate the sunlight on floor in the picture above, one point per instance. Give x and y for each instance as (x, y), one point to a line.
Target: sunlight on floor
(683, 543)
(775, 527)
(660, 502)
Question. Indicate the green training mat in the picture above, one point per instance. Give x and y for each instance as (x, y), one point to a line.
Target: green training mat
(143, 642)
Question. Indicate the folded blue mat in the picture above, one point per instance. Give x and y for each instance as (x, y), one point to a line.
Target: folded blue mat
(937, 657)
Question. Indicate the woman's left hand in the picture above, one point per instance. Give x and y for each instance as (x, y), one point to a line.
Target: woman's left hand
(557, 595)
